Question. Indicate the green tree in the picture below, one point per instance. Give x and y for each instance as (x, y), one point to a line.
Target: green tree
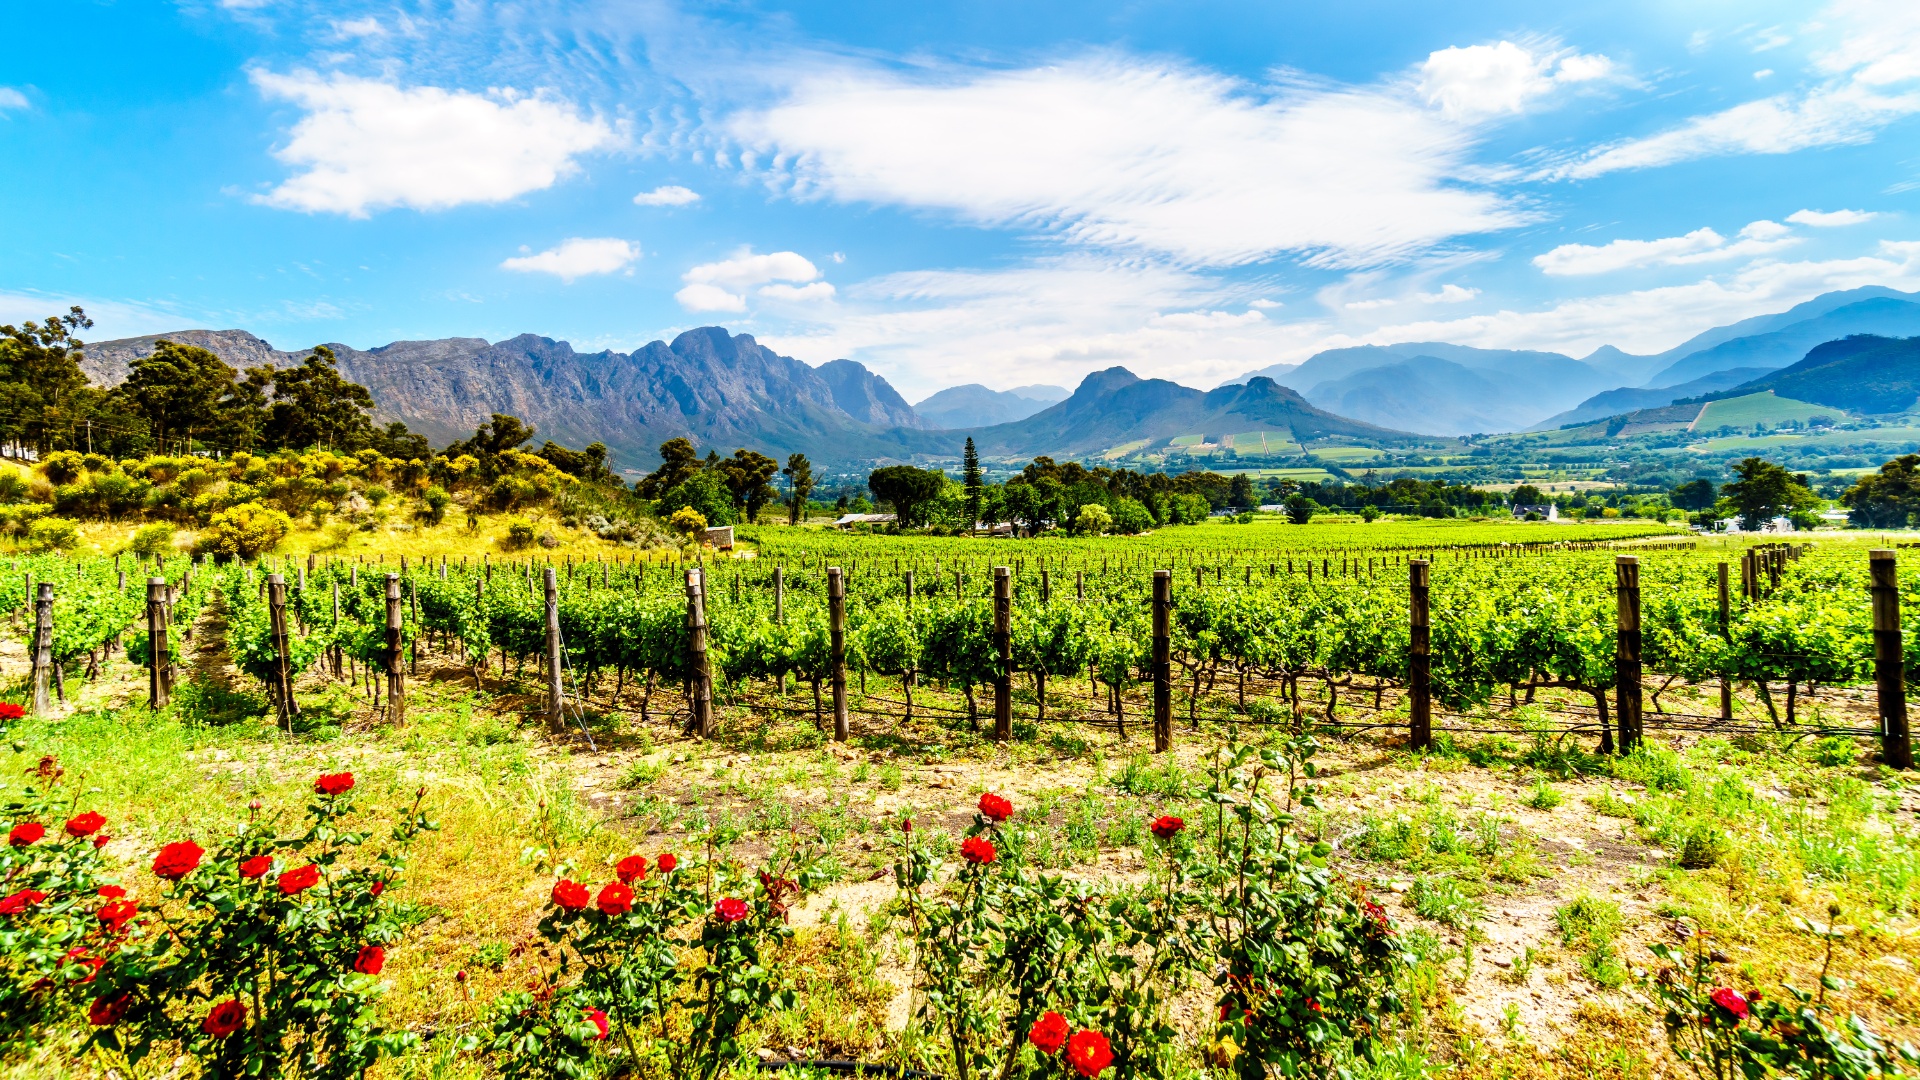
(746, 475)
(1696, 494)
(180, 391)
(41, 385)
(589, 464)
(970, 477)
(1528, 495)
(799, 474)
(1300, 509)
(1764, 491)
(907, 489)
(314, 406)
(1240, 492)
(1888, 499)
(678, 461)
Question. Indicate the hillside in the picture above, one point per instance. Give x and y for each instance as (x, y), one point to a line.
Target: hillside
(1887, 316)
(973, 405)
(1766, 324)
(1115, 406)
(1866, 374)
(1630, 398)
(720, 390)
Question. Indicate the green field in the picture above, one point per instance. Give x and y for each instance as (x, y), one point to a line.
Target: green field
(1344, 454)
(1761, 409)
(1186, 440)
(1861, 437)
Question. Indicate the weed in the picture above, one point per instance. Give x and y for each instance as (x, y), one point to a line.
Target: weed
(1704, 846)
(1591, 925)
(1544, 796)
(1835, 751)
(642, 774)
(491, 956)
(1442, 900)
(890, 777)
(1657, 768)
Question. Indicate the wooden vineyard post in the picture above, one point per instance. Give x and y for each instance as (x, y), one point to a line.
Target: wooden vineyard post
(700, 678)
(1046, 586)
(1419, 656)
(780, 616)
(1626, 663)
(1726, 627)
(1889, 677)
(159, 672)
(1162, 661)
(1080, 584)
(42, 647)
(396, 665)
(1003, 654)
(837, 643)
(556, 701)
(282, 663)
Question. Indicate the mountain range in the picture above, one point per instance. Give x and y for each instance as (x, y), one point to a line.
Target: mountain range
(724, 390)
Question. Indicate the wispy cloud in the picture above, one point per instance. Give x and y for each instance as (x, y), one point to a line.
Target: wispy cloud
(1700, 245)
(577, 258)
(13, 99)
(671, 195)
(1827, 219)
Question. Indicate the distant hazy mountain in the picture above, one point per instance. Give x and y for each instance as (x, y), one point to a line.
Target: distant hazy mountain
(1443, 389)
(1784, 343)
(721, 391)
(974, 405)
(1115, 406)
(1864, 374)
(1277, 372)
(1628, 368)
(1629, 398)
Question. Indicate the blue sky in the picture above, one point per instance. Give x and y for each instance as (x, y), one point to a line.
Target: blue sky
(984, 191)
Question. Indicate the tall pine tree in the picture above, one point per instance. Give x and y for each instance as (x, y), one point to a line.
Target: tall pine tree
(970, 465)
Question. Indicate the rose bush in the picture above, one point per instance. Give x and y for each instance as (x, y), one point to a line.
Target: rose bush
(262, 955)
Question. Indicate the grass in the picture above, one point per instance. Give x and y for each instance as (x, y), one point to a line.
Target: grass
(1763, 408)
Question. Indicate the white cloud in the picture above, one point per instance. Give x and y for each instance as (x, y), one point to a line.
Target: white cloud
(1827, 219)
(700, 297)
(1879, 49)
(1763, 73)
(367, 145)
(1700, 245)
(1128, 154)
(671, 195)
(1206, 320)
(1265, 304)
(13, 99)
(368, 27)
(721, 286)
(577, 258)
(1479, 81)
(1448, 294)
(1651, 320)
(817, 292)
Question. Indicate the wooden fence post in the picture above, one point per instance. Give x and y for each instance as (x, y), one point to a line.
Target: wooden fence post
(700, 680)
(1162, 661)
(1889, 676)
(556, 693)
(396, 665)
(1003, 653)
(282, 665)
(1046, 586)
(158, 684)
(42, 647)
(837, 642)
(1626, 662)
(1419, 656)
(1726, 628)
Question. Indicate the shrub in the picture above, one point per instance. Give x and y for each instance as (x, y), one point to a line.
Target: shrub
(1130, 516)
(53, 534)
(151, 540)
(434, 504)
(687, 522)
(244, 531)
(1544, 796)
(62, 467)
(1093, 520)
(1835, 750)
(1703, 847)
(13, 488)
(519, 535)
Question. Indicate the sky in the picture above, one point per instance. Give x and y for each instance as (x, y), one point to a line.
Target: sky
(980, 191)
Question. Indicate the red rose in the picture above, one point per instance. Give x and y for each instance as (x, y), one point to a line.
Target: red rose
(599, 1020)
(616, 898)
(299, 880)
(1167, 826)
(116, 915)
(177, 860)
(730, 909)
(338, 783)
(85, 824)
(667, 863)
(102, 840)
(225, 1019)
(1731, 1002)
(371, 959)
(106, 1012)
(10, 711)
(906, 825)
(256, 867)
(376, 888)
(977, 850)
(569, 895)
(26, 833)
(633, 868)
(110, 892)
(1049, 1033)
(1089, 1053)
(93, 964)
(21, 901)
(995, 808)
